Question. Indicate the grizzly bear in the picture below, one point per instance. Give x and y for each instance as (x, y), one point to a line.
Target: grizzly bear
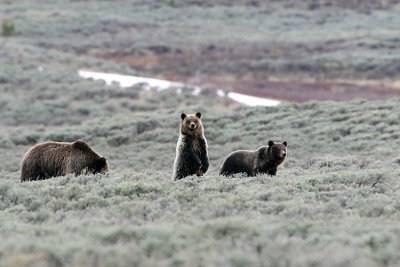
(52, 159)
(191, 149)
(263, 160)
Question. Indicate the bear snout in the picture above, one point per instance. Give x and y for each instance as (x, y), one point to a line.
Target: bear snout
(192, 126)
(284, 155)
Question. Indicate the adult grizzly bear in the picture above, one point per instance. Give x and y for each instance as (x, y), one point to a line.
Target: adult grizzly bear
(191, 149)
(52, 159)
(253, 162)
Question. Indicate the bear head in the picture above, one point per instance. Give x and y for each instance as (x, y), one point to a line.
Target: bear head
(191, 123)
(95, 163)
(99, 165)
(277, 150)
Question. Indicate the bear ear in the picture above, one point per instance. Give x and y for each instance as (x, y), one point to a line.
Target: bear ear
(270, 143)
(198, 114)
(183, 116)
(284, 143)
(81, 145)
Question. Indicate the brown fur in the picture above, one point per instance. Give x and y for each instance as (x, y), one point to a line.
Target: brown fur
(52, 159)
(253, 162)
(191, 149)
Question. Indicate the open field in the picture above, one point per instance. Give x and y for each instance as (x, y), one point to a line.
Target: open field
(237, 45)
(334, 202)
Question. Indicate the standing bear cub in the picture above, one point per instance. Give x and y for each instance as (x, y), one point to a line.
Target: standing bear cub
(263, 160)
(52, 159)
(191, 149)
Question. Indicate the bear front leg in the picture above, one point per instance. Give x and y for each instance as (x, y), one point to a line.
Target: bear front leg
(191, 164)
(272, 171)
(203, 156)
(198, 167)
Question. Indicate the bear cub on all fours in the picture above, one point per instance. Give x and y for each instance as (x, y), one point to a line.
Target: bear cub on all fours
(263, 160)
(52, 159)
(191, 149)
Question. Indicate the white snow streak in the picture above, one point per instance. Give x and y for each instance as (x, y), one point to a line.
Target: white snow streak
(128, 80)
(158, 84)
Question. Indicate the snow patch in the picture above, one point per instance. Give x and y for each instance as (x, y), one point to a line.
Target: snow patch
(221, 93)
(252, 100)
(128, 80)
(196, 91)
(158, 84)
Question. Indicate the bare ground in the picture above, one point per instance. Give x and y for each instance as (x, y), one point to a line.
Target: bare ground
(195, 69)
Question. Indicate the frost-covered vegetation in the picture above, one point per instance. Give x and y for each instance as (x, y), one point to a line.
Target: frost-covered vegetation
(334, 202)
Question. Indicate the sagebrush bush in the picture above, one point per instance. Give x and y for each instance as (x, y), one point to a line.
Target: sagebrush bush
(7, 27)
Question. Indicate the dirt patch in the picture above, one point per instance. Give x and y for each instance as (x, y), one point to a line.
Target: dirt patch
(210, 68)
(300, 91)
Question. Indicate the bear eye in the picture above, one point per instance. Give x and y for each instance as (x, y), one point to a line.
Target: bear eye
(195, 121)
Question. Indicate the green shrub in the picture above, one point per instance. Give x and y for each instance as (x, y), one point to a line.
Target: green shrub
(8, 27)
(171, 2)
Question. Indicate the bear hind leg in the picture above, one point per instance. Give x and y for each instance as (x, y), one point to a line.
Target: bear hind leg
(32, 173)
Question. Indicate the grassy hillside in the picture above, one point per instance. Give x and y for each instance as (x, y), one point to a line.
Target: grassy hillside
(291, 50)
(228, 39)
